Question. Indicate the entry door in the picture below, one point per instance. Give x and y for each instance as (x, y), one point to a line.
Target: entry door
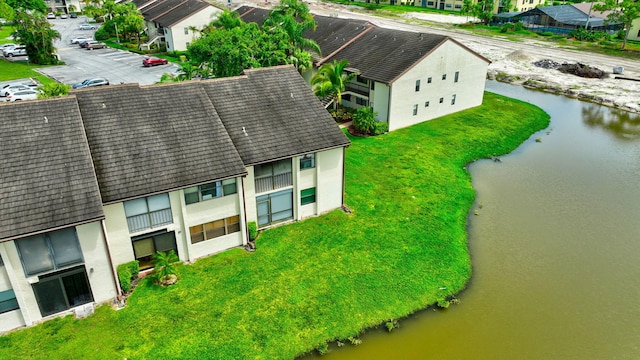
(275, 207)
(62, 290)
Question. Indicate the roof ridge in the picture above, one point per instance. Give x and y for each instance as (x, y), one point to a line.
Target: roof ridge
(373, 26)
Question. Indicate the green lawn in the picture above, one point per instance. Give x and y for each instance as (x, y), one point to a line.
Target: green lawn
(18, 70)
(403, 247)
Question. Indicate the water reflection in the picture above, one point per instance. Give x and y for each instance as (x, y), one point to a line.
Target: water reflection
(622, 124)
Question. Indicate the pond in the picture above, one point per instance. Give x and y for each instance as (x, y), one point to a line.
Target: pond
(555, 249)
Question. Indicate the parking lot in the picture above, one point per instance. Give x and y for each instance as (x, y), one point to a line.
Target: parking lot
(116, 65)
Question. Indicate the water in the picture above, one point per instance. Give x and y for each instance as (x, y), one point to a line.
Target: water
(555, 249)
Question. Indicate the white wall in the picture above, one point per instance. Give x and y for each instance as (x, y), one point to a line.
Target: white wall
(634, 32)
(446, 59)
(307, 178)
(95, 257)
(176, 38)
(330, 166)
(12, 319)
(379, 101)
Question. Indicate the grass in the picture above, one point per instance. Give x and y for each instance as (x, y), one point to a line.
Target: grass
(326, 278)
(12, 70)
(5, 34)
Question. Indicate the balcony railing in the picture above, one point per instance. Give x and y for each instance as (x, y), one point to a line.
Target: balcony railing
(277, 181)
(358, 88)
(149, 220)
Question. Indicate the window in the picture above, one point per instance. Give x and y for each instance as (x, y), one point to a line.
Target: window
(373, 85)
(429, 3)
(458, 6)
(145, 246)
(149, 212)
(346, 97)
(210, 191)
(308, 161)
(187, 44)
(448, 6)
(8, 301)
(275, 207)
(361, 101)
(361, 80)
(62, 290)
(49, 251)
(426, 104)
(273, 175)
(186, 31)
(441, 100)
(453, 99)
(308, 196)
(429, 80)
(444, 76)
(415, 109)
(417, 85)
(455, 76)
(214, 229)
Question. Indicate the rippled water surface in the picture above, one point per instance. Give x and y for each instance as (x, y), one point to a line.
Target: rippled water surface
(555, 249)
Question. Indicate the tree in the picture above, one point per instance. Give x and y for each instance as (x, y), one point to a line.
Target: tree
(625, 12)
(293, 17)
(467, 8)
(364, 120)
(6, 11)
(484, 10)
(37, 34)
(53, 90)
(507, 5)
(163, 269)
(331, 80)
(37, 5)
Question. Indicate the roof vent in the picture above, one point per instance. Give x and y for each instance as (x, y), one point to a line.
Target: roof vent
(244, 131)
(292, 95)
(46, 121)
(104, 106)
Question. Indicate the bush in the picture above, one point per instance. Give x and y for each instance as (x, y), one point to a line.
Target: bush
(507, 27)
(163, 268)
(380, 128)
(253, 230)
(364, 120)
(101, 34)
(127, 272)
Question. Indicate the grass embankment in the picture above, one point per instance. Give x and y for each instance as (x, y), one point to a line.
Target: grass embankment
(10, 70)
(321, 279)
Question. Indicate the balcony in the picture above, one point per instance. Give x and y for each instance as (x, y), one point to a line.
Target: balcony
(358, 88)
(277, 181)
(149, 220)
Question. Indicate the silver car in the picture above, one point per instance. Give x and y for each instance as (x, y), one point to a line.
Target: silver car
(24, 94)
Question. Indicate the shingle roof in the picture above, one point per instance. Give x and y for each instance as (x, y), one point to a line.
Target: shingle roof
(153, 139)
(280, 116)
(379, 54)
(169, 12)
(47, 179)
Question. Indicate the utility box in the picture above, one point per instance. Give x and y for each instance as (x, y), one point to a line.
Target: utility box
(618, 70)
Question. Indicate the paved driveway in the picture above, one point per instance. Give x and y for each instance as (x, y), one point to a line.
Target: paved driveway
(116, 65)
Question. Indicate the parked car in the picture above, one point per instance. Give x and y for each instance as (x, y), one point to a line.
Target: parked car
(153, 61)
(91, 45)
(24, 94)
(73, 15)
(77, 40)
(91, 82)
(14, 87)
(63, 16)
(7, 46)
(15, 51)
(51, 16)
(84, 44)
(86, 26)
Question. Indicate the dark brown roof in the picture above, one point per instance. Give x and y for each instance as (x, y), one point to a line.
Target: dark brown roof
(280, 116)
(379, 54)
(47, 179)
(169, 12)
(154, 139)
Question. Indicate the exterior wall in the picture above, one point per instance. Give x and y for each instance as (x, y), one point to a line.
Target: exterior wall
(97, 268)
(526, 5)
(447, 59)
(326, 177)
(177, 39)
(184, 216)
(634, 33)
(12, 319)
(379, 101)
(152, 30)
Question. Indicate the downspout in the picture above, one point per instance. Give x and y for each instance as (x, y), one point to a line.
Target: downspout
(113, 269)
(389, 108)
(244, 210)
(344, 158)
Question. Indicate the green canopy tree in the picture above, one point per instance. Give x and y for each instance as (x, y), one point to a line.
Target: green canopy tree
(625, 12)
(483, 10)
(36, 33)
(332, 80)
(293, 17)
(37, 5)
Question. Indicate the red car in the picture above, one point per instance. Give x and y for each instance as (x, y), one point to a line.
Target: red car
(152, 61)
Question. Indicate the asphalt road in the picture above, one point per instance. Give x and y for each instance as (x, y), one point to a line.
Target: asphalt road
(117, 66)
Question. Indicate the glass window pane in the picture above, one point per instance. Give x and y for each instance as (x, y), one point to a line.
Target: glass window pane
(229, 186)
(8, 301)
(282, 166)
(209, 191)
(233, 224)
(191, 195)
(35, 255)
(158, 202)
(50, 296)
(166, 242)
(263, 220)
(214, 229)
(135, 207)
(263, 208)
(144, 247)
(262, 170)
(66, 248)
(76, 287)
(281, 201)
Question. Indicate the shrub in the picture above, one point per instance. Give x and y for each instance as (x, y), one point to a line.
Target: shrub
(163, 268)
(253, 230)
(380, 128)
(364, 120)
(101, 34)
(127, 272)
(546, 33)
(507, 27)
(54, 89)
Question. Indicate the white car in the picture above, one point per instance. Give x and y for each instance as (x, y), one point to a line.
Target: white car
(63, 16)
(13, 87)
(86, 27)
(51, 16)
(23, 94)
(79, 39)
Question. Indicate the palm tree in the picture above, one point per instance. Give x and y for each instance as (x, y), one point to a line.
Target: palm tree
(331, 80)
(293, 17)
